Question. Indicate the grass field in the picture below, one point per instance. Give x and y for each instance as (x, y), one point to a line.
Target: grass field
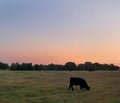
(52, 87)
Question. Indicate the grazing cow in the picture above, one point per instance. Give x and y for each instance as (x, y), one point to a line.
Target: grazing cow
(78, 81)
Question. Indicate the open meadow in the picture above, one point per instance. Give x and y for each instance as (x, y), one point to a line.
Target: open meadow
(52, 87)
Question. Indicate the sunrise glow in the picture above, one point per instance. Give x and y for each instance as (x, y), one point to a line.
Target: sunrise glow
(58, 31)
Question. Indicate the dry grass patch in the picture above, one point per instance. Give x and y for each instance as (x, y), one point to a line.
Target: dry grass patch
(52, 87)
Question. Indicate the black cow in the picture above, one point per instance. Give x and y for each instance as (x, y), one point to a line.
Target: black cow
(78, 81)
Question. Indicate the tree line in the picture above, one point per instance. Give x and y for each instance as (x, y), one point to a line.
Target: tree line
(87, 66)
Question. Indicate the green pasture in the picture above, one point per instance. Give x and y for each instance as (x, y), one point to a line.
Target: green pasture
(52, 87)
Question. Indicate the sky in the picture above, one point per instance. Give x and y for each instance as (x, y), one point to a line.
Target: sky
(58, 31)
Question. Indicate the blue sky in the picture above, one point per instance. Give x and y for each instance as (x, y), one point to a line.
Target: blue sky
(45, 31)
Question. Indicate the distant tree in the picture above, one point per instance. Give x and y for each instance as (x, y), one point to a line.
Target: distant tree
(54, 67)
(23, 66)
(44, 67)
(26, 66)
(13, 66)
(59, 67)
(3, 66)
(97, 66)
(18, 66)
(81, 67)
(51, 67)
(113, 67)
(41, 67)
(70, 66)
(37, 67)
(89, 66)
(29, 65)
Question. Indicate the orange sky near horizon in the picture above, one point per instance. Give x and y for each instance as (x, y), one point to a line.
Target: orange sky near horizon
(61, 55)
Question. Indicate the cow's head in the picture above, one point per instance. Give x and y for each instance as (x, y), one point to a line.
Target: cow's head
(87, 88)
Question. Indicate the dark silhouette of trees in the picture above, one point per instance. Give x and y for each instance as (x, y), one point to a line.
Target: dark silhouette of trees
(23, 66)
(26, 66)
(87, 66)
(54, 67)
(70, 66)
(81, 67)
(97, 66)
(3, 66)
(37, 67)
(13, 66)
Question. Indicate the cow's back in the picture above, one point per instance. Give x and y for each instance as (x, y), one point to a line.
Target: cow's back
(75, 81)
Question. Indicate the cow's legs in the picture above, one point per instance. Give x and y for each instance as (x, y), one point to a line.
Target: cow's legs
(81, 87)
(70, 87)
